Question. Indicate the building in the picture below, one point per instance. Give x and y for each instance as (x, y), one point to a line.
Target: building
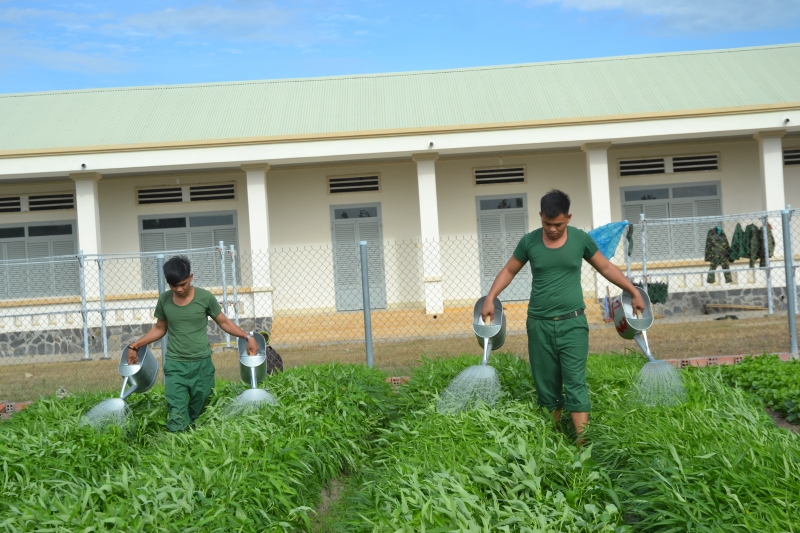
(421, 156)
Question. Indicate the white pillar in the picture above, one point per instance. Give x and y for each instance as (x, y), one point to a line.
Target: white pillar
(88, 209)
(429, 231)
(597, 171)
(770, 152)
(258, 221)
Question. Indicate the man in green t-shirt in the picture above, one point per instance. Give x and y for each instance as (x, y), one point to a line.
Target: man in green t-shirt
(558, 333)
(183, 312)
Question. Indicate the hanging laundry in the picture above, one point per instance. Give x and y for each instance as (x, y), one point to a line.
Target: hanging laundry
(629, 236)
(717, 253)
(738, 245)
(754, 237)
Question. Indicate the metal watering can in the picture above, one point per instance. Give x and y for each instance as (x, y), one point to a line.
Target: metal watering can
(253, 368)
(628, 325)
(490, 336)
(141, 376)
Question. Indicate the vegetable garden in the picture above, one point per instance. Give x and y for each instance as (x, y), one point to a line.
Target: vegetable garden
(715, 463)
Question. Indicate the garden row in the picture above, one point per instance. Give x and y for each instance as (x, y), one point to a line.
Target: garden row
(715, 463)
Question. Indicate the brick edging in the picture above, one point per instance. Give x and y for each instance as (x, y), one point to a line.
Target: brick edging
(718, 360)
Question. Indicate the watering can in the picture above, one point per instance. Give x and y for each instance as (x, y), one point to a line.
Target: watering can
(630, 326)
(141, 376)
(253, 368)
(490, 336)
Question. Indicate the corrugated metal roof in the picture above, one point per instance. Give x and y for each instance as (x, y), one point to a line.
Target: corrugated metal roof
(438, 99)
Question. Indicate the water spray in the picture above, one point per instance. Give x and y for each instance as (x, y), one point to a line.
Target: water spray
(478, 383)
(658, 383)
(141, 376)
(252, 370)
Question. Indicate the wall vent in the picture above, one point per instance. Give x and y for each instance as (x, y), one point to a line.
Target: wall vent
(221, 191)
(668, 164)
(638, 167)
(354, 184)
(490, 176)
(791, 157)
(161, 195)
(186, 193)
(51, 202)
(694, 163)
(10, 204)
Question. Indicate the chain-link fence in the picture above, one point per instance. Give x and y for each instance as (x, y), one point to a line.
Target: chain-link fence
(718, 285)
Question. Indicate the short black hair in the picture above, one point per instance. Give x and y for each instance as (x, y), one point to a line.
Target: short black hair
(177, 269)
(555, 203)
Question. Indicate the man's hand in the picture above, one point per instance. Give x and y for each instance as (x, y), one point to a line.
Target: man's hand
(487, 311)
(252, 346)
(133, 356)
(637, 302)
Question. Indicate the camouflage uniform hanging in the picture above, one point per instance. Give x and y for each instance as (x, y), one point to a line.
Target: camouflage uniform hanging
(717, 253)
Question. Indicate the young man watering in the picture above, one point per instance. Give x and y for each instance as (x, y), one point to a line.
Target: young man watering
(183, 312)
(558, 334)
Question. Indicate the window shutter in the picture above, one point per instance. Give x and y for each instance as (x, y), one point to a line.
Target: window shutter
(346, 267)
(791, 157)
(39, 274)
(694, 163)
(492, 248)
(151, 242)
(684, 236)
(639, 167)
(658, 245)
(3, 273)
(65, 270)
(491, 176)
(370, 231)
(17, 274)
(515, 226)
(354, 184)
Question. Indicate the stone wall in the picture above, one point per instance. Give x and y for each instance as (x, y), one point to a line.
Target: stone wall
(70, 341)
(694, 303)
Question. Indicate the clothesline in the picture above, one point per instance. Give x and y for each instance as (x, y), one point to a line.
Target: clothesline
(739, 217)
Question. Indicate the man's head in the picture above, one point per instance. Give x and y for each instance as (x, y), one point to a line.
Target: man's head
(178, 273)
(555, 213)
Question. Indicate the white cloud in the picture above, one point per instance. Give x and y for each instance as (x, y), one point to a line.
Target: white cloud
(698, 15)
(63, 60)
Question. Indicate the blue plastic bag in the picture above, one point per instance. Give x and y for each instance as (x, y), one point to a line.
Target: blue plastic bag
(607, 237)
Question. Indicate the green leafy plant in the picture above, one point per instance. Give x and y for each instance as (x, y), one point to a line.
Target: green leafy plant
(775, 381)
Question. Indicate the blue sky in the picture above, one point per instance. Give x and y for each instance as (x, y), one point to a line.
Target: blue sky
(73, 45)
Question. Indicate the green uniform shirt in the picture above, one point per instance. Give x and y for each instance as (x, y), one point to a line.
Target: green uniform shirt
(187, 324)
(556, 289)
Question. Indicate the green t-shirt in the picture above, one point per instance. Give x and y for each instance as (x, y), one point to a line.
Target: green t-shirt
(187, 324)
(556, 289)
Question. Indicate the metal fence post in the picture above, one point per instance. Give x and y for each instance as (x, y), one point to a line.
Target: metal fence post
(765, 230)
(162, 287)
(365, 295)
(627, 253)
(84, 311)
(235, 291)
(224, 288)
(644, 252)
(102, 305)
(791, 288)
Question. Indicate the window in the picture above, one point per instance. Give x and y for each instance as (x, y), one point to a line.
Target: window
(679, 240)
(38, 260)
(791, 157)
(179, 233)
(668, 165)
(493, 176)
(37, 202)
(186, 193)
(354, 184)
(502, 222)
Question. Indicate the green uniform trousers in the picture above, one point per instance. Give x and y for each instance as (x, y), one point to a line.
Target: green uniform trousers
(558, 350)
(187, 384)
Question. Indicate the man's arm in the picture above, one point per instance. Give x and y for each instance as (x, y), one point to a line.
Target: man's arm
(504, 277)
(155, 333)
(615, 276)
(229, 327)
